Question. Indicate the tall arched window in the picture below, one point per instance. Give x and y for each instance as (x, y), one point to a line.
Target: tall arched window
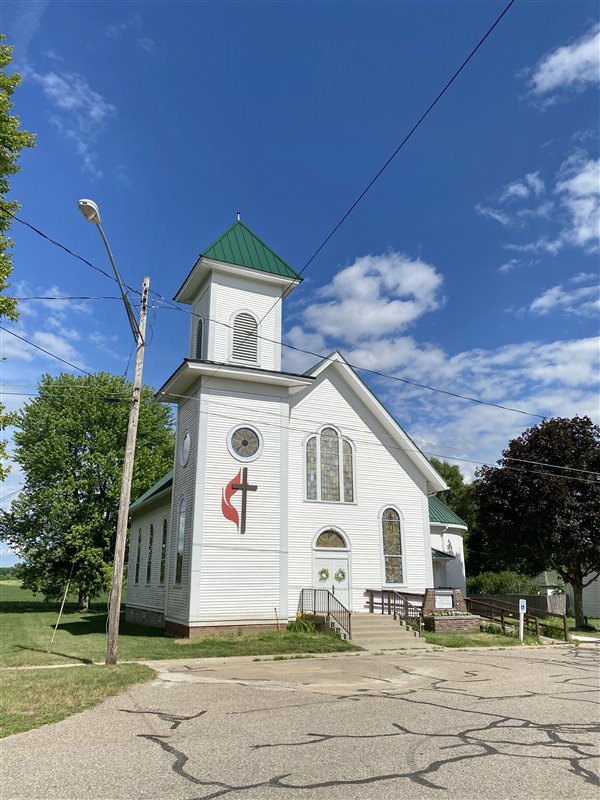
(199, 352)
(392, 545)
(163, 553)
(137, 555)
(180, 541)
(245, 338)
(329, 468)
(149, 561)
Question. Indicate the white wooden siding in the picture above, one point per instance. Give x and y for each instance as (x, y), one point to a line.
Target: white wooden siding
(233, 294)
(384, 475)
(142, 595)
(178, 596)
(239, 575)
(453, 570)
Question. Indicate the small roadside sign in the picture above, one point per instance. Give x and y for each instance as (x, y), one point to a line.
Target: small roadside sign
(522, 606)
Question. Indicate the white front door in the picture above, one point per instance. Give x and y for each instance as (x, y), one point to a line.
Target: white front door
(331, 571)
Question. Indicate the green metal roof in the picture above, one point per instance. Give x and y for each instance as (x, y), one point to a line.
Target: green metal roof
(439, 512)
(164, 483)
(238, 245)
(440, 554)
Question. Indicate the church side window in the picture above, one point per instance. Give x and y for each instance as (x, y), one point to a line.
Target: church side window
(330, 465)
(199, 352)
(245, 338)
(163, 553)
(180, 541)
(329, 468)
(149, 561)
(392, 545)
(137, 556)
(311, 468)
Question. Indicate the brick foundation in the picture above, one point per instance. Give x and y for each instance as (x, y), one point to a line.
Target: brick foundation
(181, 631)
(466, 624)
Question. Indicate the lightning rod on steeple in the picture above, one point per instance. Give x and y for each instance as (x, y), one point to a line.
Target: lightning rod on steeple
(238, 216)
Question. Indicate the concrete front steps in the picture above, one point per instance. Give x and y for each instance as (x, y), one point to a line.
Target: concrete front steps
(383, 632)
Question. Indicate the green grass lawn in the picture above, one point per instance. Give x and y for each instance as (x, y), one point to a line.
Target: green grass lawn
(34, 697)
(476, 639)
(553, 627)
(27, 623)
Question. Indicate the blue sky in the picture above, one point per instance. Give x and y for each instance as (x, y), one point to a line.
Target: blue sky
(472, 265)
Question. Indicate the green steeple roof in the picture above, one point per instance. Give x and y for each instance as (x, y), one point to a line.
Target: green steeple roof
(238, 245)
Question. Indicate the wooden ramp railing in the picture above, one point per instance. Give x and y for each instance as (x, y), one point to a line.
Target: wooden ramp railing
(508, 614)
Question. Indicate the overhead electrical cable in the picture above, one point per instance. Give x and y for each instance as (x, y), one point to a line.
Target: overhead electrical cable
(37, 347)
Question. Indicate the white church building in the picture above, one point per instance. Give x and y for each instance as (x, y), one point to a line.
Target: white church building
(281, 482)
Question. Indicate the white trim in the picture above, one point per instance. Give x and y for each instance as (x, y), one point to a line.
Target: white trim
(283, 513)
(204, 266)
(252, 426)
(404, 584)
(199, 491)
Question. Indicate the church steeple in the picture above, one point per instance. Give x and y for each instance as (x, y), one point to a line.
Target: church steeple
(234, 289)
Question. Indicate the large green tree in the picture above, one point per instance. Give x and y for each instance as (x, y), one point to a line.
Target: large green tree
(537, 516)
(12, 141)
(70, 443)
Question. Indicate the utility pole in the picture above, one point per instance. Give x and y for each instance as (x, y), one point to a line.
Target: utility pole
(114, 607)
(90, 211)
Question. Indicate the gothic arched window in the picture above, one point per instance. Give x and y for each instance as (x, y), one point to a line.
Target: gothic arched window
(329, 467)
(180, 541)
(163, 553)
(149, 561)
(245, 338)
(392, 545)
(199, 352)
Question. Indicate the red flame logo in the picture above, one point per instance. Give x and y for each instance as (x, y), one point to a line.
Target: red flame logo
(229, 512)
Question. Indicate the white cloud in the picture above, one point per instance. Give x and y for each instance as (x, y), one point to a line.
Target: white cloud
(531, 184)
(581, 302)
(579, 191)
(493, 213)
(82, 112)
(58, 345)
(375, 295)
(104, 343)
(22, 21)
(508, 266)
(569, 67)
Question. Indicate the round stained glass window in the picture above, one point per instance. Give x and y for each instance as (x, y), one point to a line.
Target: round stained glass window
(244, 443)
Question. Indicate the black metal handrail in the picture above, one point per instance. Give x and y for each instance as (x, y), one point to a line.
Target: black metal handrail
(322, 601)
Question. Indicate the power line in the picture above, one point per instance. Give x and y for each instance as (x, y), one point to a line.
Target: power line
(53, 355)
(65, 297)
(390, 159)
(357, 440)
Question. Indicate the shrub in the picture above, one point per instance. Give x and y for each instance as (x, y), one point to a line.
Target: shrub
(302, 625)
(502, 583)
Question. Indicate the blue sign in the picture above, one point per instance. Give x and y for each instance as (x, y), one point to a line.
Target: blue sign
(522, 606)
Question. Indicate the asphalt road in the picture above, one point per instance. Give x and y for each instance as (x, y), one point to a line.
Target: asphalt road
(514, 723)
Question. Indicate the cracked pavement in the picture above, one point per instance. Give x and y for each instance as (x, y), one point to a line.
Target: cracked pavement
(512, 723)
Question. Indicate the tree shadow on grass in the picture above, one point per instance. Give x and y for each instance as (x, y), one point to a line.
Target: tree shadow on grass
(54, 653)
(96, 623)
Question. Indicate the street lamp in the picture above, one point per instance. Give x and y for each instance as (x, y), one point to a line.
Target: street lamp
(90, 211)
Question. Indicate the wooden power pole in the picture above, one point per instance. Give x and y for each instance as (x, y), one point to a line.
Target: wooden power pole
(114, 608)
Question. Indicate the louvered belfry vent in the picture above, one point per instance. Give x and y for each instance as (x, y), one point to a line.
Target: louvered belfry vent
(199, 340)
(245, 338)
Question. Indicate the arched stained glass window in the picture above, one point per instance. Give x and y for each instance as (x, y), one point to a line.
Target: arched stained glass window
(330, 465)
(392, 545)
(149, 561)
(163, 553)
(199, 352)
(330, 539)
(245, 338)
(329, 468)
(311, 468)
(180, 541)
